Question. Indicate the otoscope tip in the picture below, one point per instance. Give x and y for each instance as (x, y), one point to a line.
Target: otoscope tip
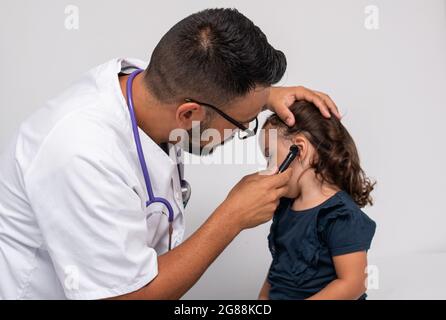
(294, 149)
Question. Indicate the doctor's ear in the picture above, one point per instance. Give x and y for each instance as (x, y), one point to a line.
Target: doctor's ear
(188, 112)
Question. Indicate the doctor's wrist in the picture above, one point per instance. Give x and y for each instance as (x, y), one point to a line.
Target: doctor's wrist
(228, 220)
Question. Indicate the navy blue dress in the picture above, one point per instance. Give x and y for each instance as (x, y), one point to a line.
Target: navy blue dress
(302, 244)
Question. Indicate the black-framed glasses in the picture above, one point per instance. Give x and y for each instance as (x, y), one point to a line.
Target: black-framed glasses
(244, 132)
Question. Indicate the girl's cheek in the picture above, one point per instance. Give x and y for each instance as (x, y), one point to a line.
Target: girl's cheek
(272, 162)
(271, 165)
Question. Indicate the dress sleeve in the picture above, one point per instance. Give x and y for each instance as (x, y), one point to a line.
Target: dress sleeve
(346, 230)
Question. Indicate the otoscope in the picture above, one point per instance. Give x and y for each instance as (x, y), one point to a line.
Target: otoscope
(294, 152)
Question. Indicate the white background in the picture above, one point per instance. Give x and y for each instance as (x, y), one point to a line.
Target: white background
(390, 84)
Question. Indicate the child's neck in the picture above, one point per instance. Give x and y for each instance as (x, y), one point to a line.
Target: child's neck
(312, 192)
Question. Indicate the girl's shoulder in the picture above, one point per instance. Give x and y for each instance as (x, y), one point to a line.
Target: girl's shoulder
(341, 206)
(343, 226)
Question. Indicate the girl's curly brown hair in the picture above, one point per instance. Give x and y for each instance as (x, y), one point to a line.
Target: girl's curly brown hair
(337, 160)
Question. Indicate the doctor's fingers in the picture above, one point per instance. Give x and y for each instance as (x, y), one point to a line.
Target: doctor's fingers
(278, 180)
(275, 195)
(253, 176)
(330, 106)
(281, 192)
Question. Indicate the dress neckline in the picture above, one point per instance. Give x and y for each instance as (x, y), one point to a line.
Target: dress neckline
(320, 205)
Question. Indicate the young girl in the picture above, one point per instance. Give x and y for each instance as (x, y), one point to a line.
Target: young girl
(319, 237)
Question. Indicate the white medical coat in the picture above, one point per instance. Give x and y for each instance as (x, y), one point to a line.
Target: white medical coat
(73, 219)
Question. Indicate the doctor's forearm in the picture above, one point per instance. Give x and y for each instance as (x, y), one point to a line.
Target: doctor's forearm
(180, 269)
(251, 202)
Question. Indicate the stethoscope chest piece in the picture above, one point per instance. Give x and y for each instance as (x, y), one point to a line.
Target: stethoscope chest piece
(186, 191)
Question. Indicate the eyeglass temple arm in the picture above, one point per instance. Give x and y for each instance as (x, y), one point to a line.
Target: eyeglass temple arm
(224, 115)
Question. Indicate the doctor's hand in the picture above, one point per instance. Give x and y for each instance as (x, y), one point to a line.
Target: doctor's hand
(254, 199)
(281, 99)
(250, 203)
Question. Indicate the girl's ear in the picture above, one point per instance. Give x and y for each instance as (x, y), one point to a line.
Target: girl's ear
(303, 144)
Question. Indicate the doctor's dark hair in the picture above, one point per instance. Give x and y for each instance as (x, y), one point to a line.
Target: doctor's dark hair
(337, 160)
(214, 55)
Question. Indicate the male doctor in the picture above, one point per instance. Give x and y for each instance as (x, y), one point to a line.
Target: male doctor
(73, 217)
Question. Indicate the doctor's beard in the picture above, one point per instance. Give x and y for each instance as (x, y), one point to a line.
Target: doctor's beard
(202, 140)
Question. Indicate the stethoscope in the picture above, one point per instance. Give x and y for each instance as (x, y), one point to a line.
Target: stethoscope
(185, 186)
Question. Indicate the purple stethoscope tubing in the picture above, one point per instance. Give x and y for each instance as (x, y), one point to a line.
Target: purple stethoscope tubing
(142, 161)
